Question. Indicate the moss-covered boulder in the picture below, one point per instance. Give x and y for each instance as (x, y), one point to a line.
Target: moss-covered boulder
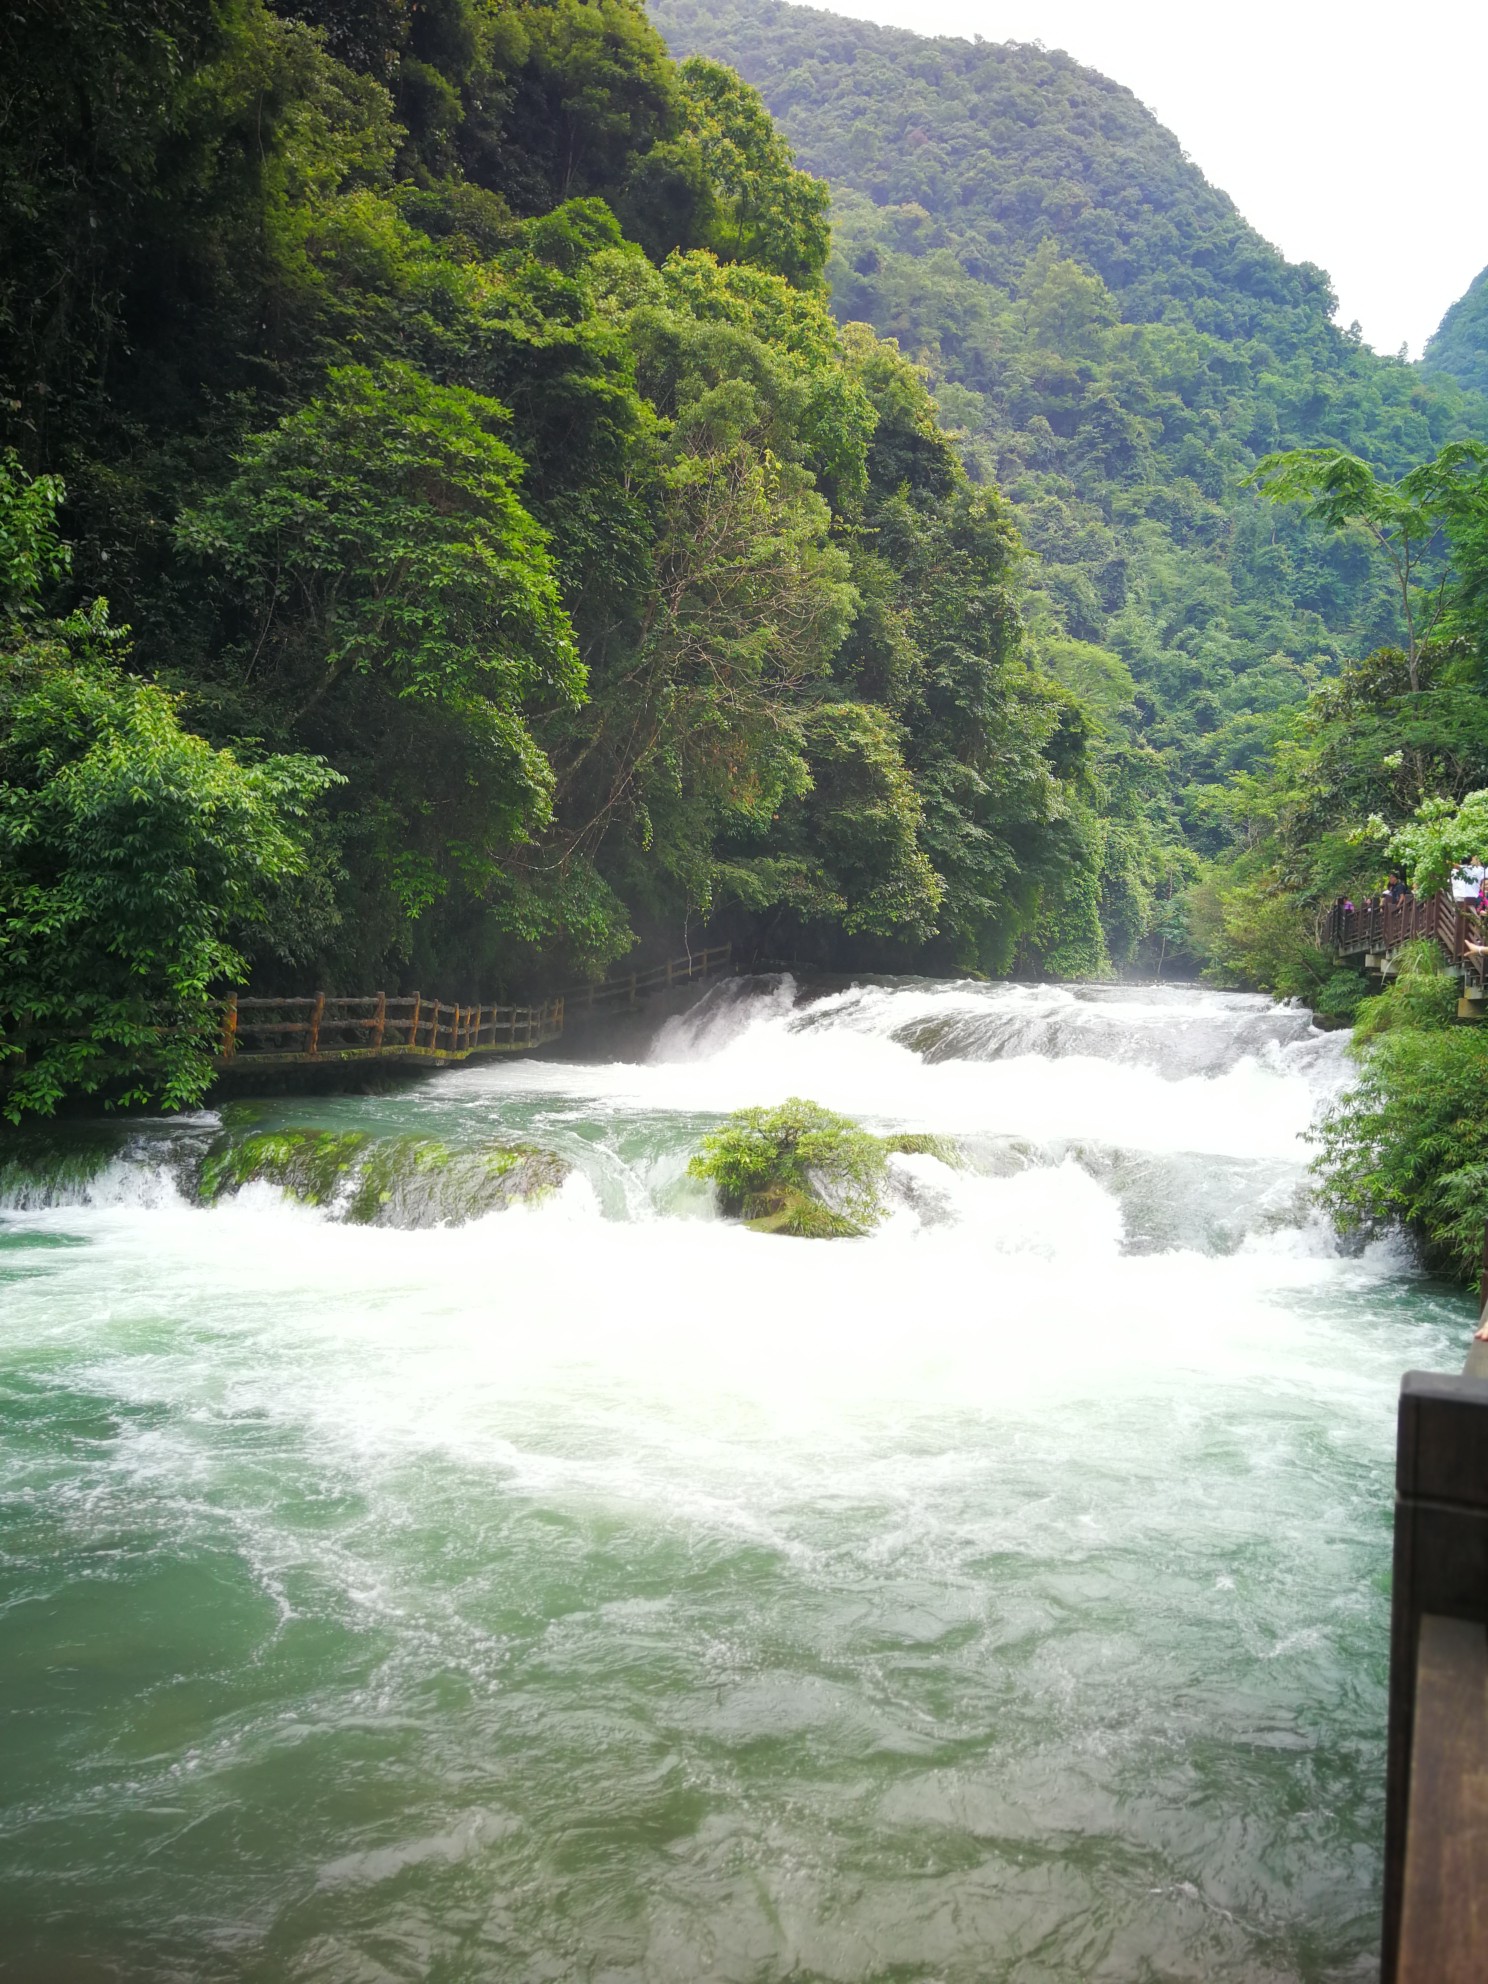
(384, 1181)
(309, 1165)
(54, 1163)
(923, 1143)
(798, 1169)
(419, 1181)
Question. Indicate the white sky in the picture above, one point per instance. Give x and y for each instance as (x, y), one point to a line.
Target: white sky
(1351, 135)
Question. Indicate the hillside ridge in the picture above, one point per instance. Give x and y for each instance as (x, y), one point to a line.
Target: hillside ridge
(1116, 348)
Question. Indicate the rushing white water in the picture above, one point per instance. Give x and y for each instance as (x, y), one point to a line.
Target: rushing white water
(599, 1589)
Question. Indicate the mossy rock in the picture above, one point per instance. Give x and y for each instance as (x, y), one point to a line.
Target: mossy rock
(420, 1181)
(387, 1181)
(800, 1169)
(797, 1169)
(309, 1165)
(797, 1214)
(52, 1164)
(922, 1143)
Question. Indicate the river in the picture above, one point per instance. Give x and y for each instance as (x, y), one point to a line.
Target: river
(601, 1591)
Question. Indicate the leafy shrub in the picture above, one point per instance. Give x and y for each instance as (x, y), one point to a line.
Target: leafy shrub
(796, 1169)
(1342, 997)
(134, 858)
(1422, 996)
(1409, 1142)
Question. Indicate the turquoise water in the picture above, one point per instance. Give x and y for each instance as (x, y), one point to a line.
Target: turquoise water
(600, 1591)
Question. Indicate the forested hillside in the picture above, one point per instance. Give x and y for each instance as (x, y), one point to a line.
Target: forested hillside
(1116, 348)
(1459, 347)
(444, 536)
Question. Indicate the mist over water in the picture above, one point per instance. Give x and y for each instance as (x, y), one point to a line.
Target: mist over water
(598, 1590)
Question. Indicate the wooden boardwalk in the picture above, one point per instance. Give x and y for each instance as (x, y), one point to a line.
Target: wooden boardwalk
(322, 1029)
(1371, 937)
(1436, 1779)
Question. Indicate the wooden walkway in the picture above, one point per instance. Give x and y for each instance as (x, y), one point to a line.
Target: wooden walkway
(1372, 937)
(1436, 1780)
(321, 1030)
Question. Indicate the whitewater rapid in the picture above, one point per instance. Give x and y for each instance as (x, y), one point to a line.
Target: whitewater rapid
(600, 1589)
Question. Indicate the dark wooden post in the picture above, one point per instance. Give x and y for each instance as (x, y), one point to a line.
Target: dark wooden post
(379, 1024)
(413, 1024)
(230, 1028)
(1434, 1928)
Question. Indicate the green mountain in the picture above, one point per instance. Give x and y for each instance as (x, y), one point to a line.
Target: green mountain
(1459, 348)
(1115, 348)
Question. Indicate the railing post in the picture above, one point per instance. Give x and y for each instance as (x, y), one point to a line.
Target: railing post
(313, 1045)
(1440, 1574)
(379, 1024)
(230, 1027)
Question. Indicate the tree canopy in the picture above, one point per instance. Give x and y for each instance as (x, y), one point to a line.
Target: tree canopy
(521, 562)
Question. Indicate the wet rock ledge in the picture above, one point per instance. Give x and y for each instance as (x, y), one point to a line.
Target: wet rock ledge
(362, 1180)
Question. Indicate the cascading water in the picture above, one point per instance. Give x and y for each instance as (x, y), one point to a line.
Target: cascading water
(599, 1590)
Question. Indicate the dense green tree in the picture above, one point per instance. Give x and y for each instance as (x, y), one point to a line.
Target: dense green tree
(762, 209)
(134, 859)
(1405, 520)
(1459, 347)
(1390, 745)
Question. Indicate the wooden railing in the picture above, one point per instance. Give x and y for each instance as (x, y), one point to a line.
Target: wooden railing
(323, 1027)
(1377, 932)
(611, 993)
